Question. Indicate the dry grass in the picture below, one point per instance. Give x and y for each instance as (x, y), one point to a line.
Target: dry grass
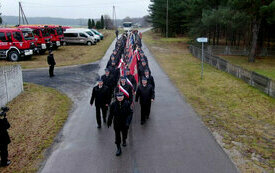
(70, 55)
(262, 65)
(36, 116)
(243, 116)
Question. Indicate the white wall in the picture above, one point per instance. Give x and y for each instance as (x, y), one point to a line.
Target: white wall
(11, 83)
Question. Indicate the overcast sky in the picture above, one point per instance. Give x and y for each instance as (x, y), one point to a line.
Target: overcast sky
(76, 8)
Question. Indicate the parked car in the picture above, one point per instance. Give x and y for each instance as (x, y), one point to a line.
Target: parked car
(98, 33)
(88, 31)
(78, 37)
(13, 45)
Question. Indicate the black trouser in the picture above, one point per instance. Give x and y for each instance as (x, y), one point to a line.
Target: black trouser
(51, 69)
(103, 108)
(4, 153)
(145, 110)
(119, 132)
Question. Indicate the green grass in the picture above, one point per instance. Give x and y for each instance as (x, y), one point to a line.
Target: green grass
(70, 55)
(263, 65)
(227, 105)
(36, 116)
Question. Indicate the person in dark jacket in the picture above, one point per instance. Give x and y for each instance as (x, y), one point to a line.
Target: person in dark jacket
(115, 72)
(102, 100)
(125, 88)
(145, 94)
(51, 63)
(109, 81)
(4, 141)
(119, 111)
(132, 79)
(150, 78)
(117, 32)
(142, 67)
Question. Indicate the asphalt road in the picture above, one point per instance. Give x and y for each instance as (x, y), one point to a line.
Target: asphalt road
(174, 140)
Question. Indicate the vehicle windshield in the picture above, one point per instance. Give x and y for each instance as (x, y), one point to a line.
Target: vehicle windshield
(45, 32)
(28, 35)
(59, 31)
(89, 33)
(127, 25)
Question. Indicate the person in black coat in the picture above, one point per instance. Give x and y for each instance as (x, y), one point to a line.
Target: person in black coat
(102, 99)
(114, 71)
(4, 141)
(109, 81)
(51, 63)
(132, 79)
(119, 111)
(142, 67)
(150, 78)
(145, 94)
(129, 95)
(112, 58)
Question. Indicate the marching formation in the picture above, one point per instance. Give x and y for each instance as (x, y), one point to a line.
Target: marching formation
(127, 79)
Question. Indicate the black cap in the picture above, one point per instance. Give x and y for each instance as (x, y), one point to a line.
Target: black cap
(107, 70)
(146, 70)
(123, 77)
(143, 60)
(119, 94)
(144, 78)
(99, 80)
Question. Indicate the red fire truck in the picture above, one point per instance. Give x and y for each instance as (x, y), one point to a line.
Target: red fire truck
(13, 45)
(42, 37)
(57, 36)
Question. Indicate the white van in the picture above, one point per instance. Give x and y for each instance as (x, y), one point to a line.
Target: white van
(78, 37)
(89, 32)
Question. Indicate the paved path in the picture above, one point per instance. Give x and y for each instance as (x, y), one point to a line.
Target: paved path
(174, 140)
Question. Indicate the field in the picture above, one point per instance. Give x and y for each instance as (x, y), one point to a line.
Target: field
(70, 55)
(240, 117)
(263, 65)
(36, 116)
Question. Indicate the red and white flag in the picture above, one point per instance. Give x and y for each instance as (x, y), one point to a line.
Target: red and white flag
(121, 89)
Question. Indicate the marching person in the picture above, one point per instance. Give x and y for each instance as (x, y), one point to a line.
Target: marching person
(119, 111)
(4, 141)
(115, 71)
(150, 78)
(102, 100)
(51, 63)
(109, 81)
(145, 94)
(130, 79)
(142, 67)
(125, 88)
(117, 32)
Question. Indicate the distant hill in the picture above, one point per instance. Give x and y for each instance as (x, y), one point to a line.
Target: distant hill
(13, 20)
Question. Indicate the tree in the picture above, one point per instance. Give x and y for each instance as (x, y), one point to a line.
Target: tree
(93, 23)
(98, 25)
(102, 22)
(108, 22)
(90, 24)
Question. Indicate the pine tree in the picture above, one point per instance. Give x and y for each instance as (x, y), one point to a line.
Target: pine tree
(90, 24)
(98, 25)
(93, 23)
(102, 22)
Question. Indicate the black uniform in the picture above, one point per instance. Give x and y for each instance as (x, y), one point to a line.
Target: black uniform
(4, 140)
(115, 72)
(119, 111)
(141, 70)
(117, 34)
(133, 81)
(51, 63)
(145, 94)
(129, 89)
(101, 97)
(109, 81)
(150, 81)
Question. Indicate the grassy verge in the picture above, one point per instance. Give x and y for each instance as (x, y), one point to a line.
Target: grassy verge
(36, 116)
(241, 117)
(70, 55)
(263, 65)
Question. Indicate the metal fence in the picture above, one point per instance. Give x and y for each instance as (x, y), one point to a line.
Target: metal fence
(254, 79)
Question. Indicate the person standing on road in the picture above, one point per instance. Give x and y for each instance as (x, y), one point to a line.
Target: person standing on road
(5, 140)
(119, 111)
(109, 81)
(51, 63)
(102, 100)
(146, 95)
(150, 78)
(117, 32)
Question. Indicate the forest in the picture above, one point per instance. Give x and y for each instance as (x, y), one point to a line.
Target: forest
(247, 23)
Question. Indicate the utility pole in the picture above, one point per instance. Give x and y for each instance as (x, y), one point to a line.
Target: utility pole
(167, 18)
(22, 14)
(114, 16)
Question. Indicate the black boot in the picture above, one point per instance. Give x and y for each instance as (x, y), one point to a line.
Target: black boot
(124, 143)
(118, 152)
(6, 164)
